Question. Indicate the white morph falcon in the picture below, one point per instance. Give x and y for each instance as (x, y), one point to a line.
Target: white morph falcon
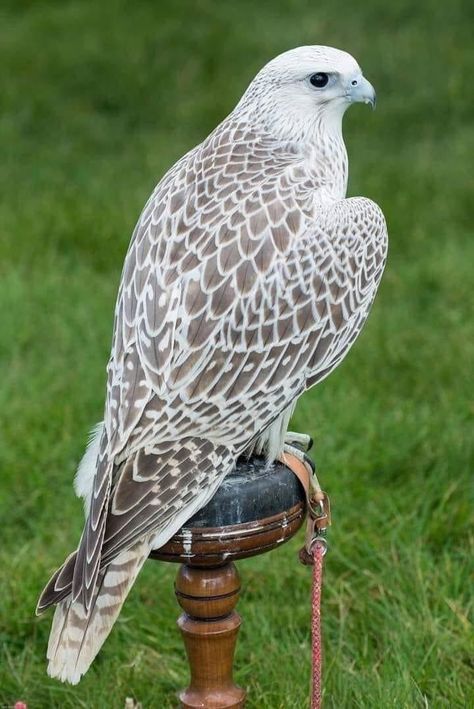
(248, 278)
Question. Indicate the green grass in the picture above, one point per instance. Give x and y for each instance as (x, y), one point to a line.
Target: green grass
(97, 100)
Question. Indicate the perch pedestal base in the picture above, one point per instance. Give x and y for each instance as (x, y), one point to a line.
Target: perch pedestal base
(209, 626)
(256, 509)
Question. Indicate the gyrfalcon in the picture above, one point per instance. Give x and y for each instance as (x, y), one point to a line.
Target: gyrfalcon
(248, 278)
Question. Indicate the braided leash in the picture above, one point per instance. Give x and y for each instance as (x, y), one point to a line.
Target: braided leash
(316, 640)
(312, 554)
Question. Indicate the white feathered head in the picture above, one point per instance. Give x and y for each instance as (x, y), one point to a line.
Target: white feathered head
(304, 86)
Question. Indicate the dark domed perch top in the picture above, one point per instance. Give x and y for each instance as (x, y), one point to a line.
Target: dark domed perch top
(254, 510)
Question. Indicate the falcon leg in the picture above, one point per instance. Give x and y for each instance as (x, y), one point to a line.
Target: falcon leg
(298, 453)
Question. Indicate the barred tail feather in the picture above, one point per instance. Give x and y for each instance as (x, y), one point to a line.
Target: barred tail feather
(76, 636)
(59, 585)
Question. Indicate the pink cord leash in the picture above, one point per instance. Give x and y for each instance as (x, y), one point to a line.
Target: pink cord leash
(319, 550)
(312, 554)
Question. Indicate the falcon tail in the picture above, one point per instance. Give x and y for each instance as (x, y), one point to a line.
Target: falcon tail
(83, 620)
(76, 636)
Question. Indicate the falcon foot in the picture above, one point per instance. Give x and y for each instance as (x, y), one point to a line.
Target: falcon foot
(295, 450)
(299, 440)
(298, 444)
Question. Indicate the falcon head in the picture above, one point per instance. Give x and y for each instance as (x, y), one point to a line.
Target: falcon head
(306, 85)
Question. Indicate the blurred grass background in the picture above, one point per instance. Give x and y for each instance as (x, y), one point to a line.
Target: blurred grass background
(97, 100)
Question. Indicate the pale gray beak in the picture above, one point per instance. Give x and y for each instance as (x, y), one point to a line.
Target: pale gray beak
(362, 91)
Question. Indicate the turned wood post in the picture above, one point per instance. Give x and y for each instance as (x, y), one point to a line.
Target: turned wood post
(209, 626)
(255, 510)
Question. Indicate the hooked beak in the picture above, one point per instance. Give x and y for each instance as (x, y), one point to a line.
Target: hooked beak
(362, 92)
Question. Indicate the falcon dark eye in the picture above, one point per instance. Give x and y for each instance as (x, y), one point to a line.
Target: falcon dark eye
(319, 80)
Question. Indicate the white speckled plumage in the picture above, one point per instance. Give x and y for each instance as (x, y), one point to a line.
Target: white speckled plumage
(248, 278)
